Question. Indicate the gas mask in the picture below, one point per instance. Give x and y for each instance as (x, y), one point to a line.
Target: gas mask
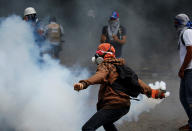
(97, 59)
(31, 18)
(99, 56)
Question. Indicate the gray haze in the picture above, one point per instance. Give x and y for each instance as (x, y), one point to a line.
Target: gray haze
(149, 24)
(151, 38)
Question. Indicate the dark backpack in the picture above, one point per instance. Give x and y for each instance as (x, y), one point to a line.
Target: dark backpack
(127, 81)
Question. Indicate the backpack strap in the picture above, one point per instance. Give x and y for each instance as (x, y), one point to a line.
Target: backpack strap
(182, 40)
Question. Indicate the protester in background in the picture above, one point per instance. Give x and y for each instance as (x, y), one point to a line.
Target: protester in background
(183, 27)
(114, 99)
(54, 34)
(30, 15)
(114, 33)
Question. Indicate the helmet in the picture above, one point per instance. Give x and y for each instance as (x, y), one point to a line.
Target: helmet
(30, 15)
(115, 15)
(104, 51)
(29, 11)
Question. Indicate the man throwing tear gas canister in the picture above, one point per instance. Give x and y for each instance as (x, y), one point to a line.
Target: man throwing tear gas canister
(114, 33)
(118, 85)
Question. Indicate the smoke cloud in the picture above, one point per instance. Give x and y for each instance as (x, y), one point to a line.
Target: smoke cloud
(34, 98)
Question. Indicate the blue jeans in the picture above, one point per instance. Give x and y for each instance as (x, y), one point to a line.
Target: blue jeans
(186, 94)
(105, 118)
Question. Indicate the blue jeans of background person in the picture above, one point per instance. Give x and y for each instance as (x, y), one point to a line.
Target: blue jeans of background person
(105, 118)
(186, 94)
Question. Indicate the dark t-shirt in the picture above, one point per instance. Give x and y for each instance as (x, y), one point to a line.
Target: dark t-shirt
(117, 46)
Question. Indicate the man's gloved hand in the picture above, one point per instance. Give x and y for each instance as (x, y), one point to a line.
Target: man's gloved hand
(159, 90)
(78, 86)
(157, 94)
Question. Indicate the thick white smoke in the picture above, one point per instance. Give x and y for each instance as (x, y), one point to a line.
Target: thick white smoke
(145, 104)
(34, 98)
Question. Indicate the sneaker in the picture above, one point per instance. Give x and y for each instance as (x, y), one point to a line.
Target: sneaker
(185, 128)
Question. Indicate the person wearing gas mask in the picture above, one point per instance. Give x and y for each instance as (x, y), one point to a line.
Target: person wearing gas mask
(30, 15)
(54, 34)
(113, 103)
(114, 33)
(183, 27)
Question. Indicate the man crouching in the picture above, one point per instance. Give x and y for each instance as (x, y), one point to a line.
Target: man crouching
(112, 103)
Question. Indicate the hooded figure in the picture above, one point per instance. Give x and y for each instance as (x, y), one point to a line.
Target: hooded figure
(114, 33)
(182, 22)
(183, 27)
(112, 104)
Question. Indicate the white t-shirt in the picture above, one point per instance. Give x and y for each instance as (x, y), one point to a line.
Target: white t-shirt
(187, 37)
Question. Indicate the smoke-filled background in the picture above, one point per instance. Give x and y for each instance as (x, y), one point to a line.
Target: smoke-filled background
(151, 50)
(149, 24)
